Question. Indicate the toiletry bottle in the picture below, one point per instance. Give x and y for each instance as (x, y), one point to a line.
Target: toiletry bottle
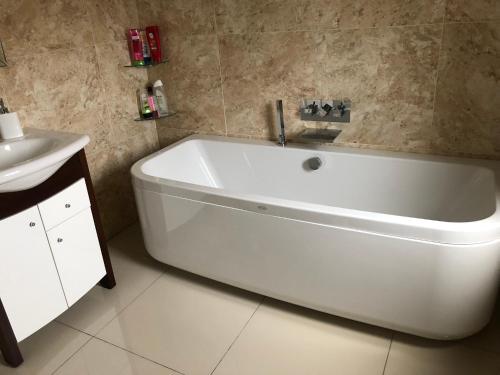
(145, 47)
(161, 98)
(143, 102)
(10, 127)
(153, 105)
(135, 47)
(153, 35)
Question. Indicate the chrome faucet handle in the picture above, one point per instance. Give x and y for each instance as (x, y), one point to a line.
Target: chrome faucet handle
(341, 107)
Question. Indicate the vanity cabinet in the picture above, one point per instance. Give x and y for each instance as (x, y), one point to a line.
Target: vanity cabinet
(52, 253)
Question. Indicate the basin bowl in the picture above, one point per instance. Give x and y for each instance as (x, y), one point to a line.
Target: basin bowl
(28, 161)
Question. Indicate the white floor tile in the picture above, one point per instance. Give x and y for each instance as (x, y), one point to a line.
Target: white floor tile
(285, 339)
(46, 350)
(411, 355)
(184, 322)
(134, 270)
(100, 358)
(489, 337)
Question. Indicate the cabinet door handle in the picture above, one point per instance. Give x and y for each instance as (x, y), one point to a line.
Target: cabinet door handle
(59, 240)
(32, 224)
(67, 205)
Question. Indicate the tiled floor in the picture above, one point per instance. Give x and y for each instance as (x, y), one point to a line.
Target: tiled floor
(159, 320)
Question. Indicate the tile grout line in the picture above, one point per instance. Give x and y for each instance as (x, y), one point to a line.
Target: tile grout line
(388, 353)
(438, 65)
(117, 314)
(98, 64)
(353, 28)
(139, 355)
(90, 337)
(94, 336)
(214, 14)
(128, 304)
(238, 335)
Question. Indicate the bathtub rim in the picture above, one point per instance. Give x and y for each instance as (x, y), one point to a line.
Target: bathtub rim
(445, 232)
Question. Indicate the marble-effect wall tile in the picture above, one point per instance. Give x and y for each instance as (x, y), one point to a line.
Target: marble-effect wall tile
(120, 86)
(68, 98)
(324, 14)
(180, 17)
(240, 17)
(112, 18)
(192, 83)
(259, 68)
(472, 11)
(389, 75)
(467, 117)
(28, 26)
(301, 15)
(381, 54)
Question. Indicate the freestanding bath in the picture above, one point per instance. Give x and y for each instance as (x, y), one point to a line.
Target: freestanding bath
(401, 241)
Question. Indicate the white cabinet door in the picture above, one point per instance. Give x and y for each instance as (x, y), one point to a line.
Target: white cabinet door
(77, 254)
(30, 288)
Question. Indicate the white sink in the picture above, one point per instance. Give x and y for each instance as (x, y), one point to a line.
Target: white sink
(30, 160)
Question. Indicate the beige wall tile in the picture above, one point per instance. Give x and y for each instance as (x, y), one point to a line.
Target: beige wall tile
(468, 92)
(178, 16)
(296, 15)
(259, 68)
(320, 14)
(62, 93)
(192, 83)
(120, 87)
(112, 18)
(28, 25)
(255, 16)
(389, 74)
(382, 54)
(477, 10)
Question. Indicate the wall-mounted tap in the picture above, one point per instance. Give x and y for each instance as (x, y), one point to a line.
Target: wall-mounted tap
(3, 107)
(281, 123)
(326, 110)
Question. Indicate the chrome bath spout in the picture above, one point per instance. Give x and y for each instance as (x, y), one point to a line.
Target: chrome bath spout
(281, 123)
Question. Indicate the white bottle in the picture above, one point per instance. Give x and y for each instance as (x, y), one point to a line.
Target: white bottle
(161, 98)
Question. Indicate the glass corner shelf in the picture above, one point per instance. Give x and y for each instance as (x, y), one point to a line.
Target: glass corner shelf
(156, 118)
(146, 66)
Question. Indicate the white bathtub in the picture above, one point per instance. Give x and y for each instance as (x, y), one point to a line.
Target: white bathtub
(401, 241)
